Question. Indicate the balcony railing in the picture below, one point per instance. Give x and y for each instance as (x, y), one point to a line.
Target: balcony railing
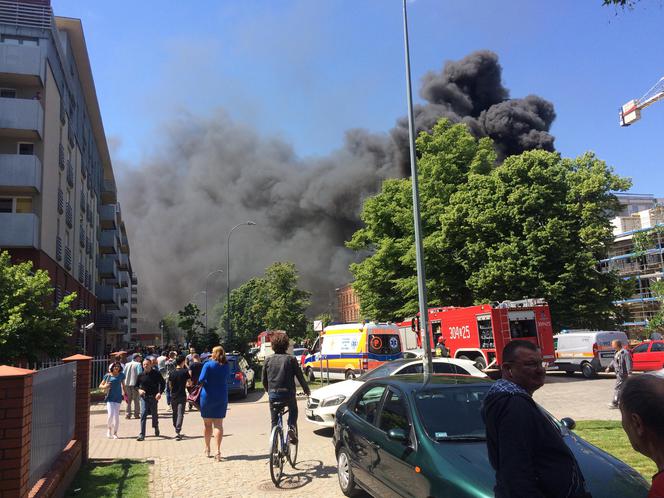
(83, 201)
(58, 248)
(20, 61)
(81, 272)
(81, 235)
(67, 258)
(61, 157)
(24, 14)
(20, 171)
(61, 201)
(22, 114)
(88, 245)
(70, 173)
(69, 216)
(19, 230)
(70, 133)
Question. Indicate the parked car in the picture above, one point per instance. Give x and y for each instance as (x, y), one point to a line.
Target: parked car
(586, 351)
(299, 353)
(648, 356)
(400, 436)
(322, 404)
(241, 379)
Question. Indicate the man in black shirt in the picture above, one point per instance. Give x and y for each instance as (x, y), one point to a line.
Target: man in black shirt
(150, 387)
(178, 380)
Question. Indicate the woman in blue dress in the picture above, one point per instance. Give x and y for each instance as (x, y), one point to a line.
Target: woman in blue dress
(214, 397)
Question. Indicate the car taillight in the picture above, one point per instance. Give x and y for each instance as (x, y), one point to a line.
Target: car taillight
(595, 350)
(239, 376)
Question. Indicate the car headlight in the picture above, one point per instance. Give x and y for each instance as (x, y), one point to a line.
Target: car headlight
(334, 400)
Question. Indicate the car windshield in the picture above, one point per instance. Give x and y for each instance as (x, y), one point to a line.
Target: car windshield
(452, 413)
(231, 363)
(385, 370)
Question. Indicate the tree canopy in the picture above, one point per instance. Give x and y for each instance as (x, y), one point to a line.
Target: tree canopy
(31, 326)
(272, 302)
(533, 226)
(190, 321)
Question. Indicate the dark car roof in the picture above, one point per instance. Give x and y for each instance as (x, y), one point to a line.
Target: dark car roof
(406, 381)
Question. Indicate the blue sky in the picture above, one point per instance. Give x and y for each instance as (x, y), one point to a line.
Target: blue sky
(307, 70)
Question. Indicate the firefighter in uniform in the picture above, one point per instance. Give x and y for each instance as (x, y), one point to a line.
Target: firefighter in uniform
(441, 349)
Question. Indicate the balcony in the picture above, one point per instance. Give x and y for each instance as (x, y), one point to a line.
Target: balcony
(107, 321)
(108, 242)
(123, 261)
(108, 215)
(106, 295)
(81, 272)
(122, 295)
(61, 201)
(61, 157)
(88, 245)
(20, 173)
(124, 311)
(107, 267)
(67, 258)
(19, 230)
(83, 202)
(21, 118)
(22, 63)
(109, 192)
(81, 235)
(123, 279)
(70, 134)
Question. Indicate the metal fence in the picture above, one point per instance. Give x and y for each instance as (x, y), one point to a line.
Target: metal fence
(99, 367)
(53, 416)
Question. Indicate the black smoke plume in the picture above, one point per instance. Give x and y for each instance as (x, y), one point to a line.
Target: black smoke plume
(180, 205)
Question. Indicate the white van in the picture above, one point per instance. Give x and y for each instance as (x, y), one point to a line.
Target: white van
(586, 351)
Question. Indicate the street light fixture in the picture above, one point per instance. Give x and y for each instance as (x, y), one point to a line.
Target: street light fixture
(84, 331)
(228, 277)
(206, 295)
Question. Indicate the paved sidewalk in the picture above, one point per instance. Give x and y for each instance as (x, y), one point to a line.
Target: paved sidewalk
(180, 467)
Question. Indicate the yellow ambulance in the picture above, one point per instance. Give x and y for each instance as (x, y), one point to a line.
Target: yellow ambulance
(348, 350)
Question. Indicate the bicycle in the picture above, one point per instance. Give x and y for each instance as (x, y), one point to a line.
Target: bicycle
(281, 447)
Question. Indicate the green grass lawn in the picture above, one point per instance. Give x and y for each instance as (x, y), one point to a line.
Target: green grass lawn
(115, 478)
(610, 436)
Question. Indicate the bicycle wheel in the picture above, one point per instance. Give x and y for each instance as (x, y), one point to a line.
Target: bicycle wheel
(291, 449)
(276, 456)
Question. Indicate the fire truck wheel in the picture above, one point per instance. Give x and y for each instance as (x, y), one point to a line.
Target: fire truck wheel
(463, 357)
(588, 371)
(480, 363)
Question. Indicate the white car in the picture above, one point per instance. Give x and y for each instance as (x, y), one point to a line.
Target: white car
(323, 403)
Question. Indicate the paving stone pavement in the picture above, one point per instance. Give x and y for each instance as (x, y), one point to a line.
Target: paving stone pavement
(178, 467)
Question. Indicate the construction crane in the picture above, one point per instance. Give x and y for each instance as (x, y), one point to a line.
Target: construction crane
(631, 111)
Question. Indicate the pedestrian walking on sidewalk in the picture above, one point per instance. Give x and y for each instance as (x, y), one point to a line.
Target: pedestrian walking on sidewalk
(195, 368)
(525, 449)
(131, 371)
(115, 390)
(622, 365)
(642, 408)
(214, 398)
(151, 385)
(178, 380)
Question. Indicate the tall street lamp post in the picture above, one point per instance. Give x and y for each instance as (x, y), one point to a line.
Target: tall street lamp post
(206, 295)
(419, 253)
(228, 277)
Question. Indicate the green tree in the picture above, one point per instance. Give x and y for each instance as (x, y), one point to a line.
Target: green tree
(172, 333)
(248, 309)
(533, 226)
(286, 302)
(31, 326)
(656, 324)
(190, 321)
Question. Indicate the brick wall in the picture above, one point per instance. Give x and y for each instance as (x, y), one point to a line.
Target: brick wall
(15, 426)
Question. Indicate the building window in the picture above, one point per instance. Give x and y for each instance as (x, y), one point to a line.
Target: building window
(8, 93)
(26, 149)
(6, 204)
(24, 205)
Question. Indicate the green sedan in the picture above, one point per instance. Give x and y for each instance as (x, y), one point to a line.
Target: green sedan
(400, 436)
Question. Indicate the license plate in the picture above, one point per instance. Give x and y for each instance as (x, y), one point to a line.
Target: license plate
(553, 367)
(310, 413)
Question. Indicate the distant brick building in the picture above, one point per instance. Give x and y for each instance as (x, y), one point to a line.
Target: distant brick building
(348, 305)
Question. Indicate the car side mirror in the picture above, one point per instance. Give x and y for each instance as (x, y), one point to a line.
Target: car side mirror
(397, 435)
(569, 423)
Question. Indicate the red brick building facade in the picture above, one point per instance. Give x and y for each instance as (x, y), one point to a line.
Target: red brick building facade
(348, 304)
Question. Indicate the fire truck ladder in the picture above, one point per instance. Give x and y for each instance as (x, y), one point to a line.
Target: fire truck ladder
(631, 111)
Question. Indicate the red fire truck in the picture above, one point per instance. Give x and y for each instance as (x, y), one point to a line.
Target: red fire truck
(480, 333)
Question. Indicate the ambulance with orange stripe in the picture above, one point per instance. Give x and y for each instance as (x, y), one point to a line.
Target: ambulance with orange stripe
(586, 351)
(348, 350)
